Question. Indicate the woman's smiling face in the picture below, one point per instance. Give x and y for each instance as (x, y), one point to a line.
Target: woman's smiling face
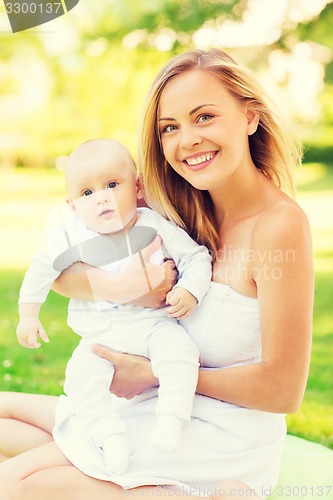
(204, 129)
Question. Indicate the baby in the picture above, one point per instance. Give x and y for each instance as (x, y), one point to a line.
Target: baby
(103, 227)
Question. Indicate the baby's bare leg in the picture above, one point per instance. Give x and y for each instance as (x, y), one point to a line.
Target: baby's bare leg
(26, 421)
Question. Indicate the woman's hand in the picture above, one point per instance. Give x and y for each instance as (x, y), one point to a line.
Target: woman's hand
(149, 283)
(155, 298)
(133, 374)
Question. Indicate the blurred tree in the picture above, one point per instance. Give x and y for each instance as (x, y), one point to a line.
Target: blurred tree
(91, 80)
(319, 29)
(183, 17)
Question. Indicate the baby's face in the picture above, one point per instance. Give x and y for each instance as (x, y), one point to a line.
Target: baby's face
(103, 189)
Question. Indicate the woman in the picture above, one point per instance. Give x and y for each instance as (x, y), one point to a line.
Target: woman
(214, 157)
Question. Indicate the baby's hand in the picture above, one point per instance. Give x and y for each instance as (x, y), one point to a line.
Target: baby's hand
(28, 331)
(181, 303)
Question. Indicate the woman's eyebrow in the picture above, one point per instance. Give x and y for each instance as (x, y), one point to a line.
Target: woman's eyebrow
(201, 106)
(167, 118)
(190, 113)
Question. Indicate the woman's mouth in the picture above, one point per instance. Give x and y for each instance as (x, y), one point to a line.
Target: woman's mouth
(200, 161)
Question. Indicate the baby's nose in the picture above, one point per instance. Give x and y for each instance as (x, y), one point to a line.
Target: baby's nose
(102, 196)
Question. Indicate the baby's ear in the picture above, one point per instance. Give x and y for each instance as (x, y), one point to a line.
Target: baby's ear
(61, 163)
(71, 204)
(138, 183)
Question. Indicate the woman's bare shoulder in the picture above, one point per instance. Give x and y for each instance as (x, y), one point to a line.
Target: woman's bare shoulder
(283, 219)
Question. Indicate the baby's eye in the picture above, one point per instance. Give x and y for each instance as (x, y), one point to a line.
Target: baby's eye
(87, 192)
(204, 118)
(112, 184)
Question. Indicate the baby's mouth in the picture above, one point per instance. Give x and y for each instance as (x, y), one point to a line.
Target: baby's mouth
(106, 213)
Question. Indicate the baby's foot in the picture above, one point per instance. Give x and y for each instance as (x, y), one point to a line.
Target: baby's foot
(166, 434)
(117, 450)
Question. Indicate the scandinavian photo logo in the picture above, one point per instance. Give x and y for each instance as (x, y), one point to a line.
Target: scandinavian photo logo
(23, 14)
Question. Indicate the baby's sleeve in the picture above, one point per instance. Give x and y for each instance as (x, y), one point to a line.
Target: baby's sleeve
(193, 261)
(38, 279)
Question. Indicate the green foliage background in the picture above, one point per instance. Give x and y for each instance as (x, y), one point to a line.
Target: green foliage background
(88, 78)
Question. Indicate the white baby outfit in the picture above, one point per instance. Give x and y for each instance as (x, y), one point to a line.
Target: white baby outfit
(125, 328)
(222, 440)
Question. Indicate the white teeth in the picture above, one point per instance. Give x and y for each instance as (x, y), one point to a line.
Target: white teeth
(199, 159)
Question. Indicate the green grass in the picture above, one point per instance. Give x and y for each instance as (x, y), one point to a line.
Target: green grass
(314, 420)
(33, 370)
(27, 197)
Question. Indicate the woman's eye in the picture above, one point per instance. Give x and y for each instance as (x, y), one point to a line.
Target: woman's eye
(87, 192)
(112, 185)
(168, 129)
(204, 118)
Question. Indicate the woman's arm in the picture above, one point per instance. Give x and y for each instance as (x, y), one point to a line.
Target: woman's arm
(144, 286)
(284, 280)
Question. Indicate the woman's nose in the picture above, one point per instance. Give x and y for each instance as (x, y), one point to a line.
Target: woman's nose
(189, 137)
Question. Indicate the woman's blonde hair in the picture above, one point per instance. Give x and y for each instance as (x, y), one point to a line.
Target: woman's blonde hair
(273, 149)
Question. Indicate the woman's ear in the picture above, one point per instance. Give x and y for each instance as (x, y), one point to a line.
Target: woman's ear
(252, 120)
